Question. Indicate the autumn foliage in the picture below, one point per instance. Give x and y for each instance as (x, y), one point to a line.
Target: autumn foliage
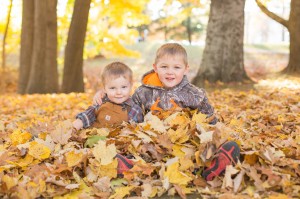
(41, 157)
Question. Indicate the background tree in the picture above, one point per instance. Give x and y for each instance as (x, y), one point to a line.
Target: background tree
(26, 44)
(223, 57)
(43, 77)
(5, 35)
(178, 19)
(73, 66)
(293, 26)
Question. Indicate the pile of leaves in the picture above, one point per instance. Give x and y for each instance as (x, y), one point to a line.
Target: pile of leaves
(40, 155)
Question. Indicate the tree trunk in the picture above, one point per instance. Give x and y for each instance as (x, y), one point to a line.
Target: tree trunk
(51, 84)
(293, 26)
(223, 57)
(26, 44)
(43, 77)
(294, 29)
(37, 76)
(5, 35)
(189, 30)
(73, 67)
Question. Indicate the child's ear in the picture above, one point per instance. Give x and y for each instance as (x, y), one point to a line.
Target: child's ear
(187, 68)
(154, 67)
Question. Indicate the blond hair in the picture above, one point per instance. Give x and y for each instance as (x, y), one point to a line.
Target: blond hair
(171, 49)
(115, 70)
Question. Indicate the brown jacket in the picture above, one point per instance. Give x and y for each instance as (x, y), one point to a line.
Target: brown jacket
(184, 95)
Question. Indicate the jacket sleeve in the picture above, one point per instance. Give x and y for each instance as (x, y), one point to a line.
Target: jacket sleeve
(205, 108)
(88, 117)
(200, 102)
(136, 114)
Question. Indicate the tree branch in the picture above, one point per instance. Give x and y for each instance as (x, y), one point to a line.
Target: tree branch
(272, 15)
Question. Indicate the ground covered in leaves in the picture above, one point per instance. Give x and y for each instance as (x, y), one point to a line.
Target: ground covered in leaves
(40, 157)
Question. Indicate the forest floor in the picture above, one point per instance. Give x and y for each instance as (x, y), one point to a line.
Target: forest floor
(38, 160)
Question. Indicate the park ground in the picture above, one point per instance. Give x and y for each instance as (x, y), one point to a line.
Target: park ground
(263, 117)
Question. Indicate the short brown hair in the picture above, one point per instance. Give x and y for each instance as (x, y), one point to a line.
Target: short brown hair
(171, 49)
(116, 69)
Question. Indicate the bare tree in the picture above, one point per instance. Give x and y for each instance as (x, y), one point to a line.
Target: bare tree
(26, 44)
(293, 26)
(223, 57)
(73, 66)
(43, 76)
(5, 35)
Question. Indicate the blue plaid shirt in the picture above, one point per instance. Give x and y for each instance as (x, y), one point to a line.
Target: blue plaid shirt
(88, 117)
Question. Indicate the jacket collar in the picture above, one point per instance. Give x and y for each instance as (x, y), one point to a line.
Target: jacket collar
(151, 80)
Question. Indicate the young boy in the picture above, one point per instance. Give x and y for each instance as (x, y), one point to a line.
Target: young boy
(116, 107)
(166, 87)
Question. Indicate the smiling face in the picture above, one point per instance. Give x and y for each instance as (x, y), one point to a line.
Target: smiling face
(170, 69)
(117, 88)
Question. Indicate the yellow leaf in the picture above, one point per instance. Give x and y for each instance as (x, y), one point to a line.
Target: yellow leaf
(180, 135)
(24, 161)
(73, 158)
(43, 135)
(109, 170)
(199, 118)
(18, 137)
(39, 151)
(236, 122)
(104, 154)
(185, 163)
(178, 119)
(9, 181)
(279, 196)
(176, 150)
(62, 133)
(175, 176)
(155, 123)
(121, 192)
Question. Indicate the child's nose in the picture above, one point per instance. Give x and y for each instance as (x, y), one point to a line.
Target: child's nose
(119, 91)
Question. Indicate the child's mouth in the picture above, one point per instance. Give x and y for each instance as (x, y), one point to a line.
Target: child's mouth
(169, 79)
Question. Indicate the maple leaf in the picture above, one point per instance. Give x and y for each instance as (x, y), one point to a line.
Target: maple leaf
(228, 182)
(175, 176)
(9, 181)
(103, 184)
(27, 160)
(104, 154)
(38, 151)
(93, 140)
(155, 123)
(121, 192)
(109, 170)
(74, 157)
(199, 118)
(19, 137)
(62, 132)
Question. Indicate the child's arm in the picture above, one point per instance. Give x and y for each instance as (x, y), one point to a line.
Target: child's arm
(86, 119)
(136, 114)
(97, 99)
(205, 108)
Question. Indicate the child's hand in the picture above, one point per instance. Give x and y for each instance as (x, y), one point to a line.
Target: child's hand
(97, 100)
(77, 124)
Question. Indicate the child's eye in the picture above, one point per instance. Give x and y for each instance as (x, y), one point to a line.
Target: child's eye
(124, 86)
(163, 66)
(112, 88)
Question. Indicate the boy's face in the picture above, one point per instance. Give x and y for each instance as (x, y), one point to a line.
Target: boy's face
(170, 70)
(117, 89)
